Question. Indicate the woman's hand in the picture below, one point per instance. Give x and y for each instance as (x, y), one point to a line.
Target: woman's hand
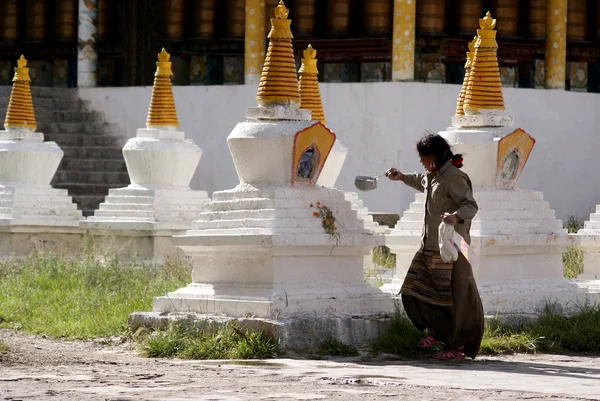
(394, 175)
(451, 219)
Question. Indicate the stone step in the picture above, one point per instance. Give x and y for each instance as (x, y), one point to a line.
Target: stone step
(159, 215)
(93, 152)
(90, 128)
(93, 177)
(246, 204)
(39, 211)
(78, 188)
(253, 223)
(59, 116)
(109, 205)
(76, 164)
(505, 215)
(482, 196)
(51, 104)
(85, 140)
(407, 225)
(514, 205)
(88, 203)
(412, 215)
(522, 226)
(45, 93)
(163, 196)
(239, 215)
(416, 207)
(44, 197)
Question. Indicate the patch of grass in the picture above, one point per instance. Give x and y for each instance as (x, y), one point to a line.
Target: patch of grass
(401, 339)
(501, 339)
(552, 332)
(3, 346)
(83, 297)
(382, 256)
(577, 333)
(572, 262)
(334, 347)
(228, 343)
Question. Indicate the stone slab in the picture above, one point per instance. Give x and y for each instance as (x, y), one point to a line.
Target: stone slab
(302, 333)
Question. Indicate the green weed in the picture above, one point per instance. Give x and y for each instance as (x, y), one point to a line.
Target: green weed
(573, 224)
(401, 338)
(572, 262)
(382, 256)
(227, 343)
(335, 347)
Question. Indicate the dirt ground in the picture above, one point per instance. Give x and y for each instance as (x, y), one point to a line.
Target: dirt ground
(41, 369)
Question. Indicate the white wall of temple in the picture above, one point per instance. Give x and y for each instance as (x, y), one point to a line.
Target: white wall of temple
(380, 123)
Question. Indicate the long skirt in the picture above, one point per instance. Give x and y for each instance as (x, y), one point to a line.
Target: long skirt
(457, 319)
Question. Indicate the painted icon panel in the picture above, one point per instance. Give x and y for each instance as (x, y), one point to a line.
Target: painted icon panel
(513, 152)
(311, 149)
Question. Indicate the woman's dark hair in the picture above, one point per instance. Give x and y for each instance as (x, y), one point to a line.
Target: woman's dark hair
(436, 146)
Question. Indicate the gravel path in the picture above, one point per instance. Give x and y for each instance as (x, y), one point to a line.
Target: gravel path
(41, 369)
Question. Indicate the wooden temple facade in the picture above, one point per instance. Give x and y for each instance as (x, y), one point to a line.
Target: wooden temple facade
(212, 43)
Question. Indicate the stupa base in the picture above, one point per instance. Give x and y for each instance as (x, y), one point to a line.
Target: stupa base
(300, 333)
(139, 223)
(262, 253)
(588, 239)
(34, 216)
(520, 245)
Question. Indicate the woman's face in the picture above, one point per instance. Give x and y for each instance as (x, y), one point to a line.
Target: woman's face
(428, 162)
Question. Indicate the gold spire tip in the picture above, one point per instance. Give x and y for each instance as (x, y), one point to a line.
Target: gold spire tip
(280, 25)
(163, 65)
(21, 71)
(487, 23)
(310, 53)
(22, 62)
(281, 11)
(309, 61)
(472, 44)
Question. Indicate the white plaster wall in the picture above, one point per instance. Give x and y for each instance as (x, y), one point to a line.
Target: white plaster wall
(380, 123)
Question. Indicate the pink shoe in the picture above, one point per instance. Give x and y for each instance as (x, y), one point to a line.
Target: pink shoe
(448, 355)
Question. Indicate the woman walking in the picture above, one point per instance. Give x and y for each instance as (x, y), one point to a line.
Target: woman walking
(442, 298)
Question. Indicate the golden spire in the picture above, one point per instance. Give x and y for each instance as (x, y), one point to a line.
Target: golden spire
(484, 90)
(20, 112)
(279, 82)
(309, 85)
(463, 91)
(162, 112)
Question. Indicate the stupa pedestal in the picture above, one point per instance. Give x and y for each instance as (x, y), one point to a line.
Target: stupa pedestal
(32, 213)
(588, 239)
(139, 221)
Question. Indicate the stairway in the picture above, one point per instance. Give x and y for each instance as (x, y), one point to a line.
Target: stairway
(93, 161)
